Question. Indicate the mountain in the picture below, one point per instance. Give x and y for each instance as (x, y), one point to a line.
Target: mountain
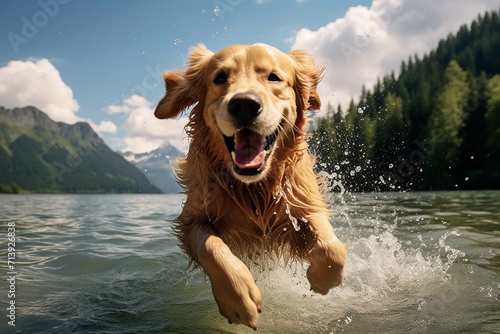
(42, 156)
(434, 126)
(156, 165)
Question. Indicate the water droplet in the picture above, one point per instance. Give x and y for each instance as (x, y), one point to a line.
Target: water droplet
(339, 185)
(217, 10)
(391, 165)
(360, 110)
(467, 178)
(294, 221)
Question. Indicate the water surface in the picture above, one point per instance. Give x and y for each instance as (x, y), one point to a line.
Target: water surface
(417, 262)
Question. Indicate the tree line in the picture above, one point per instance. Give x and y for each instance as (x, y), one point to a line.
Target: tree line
(434, 126)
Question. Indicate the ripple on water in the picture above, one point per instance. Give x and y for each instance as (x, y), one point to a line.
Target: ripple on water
(118, 269)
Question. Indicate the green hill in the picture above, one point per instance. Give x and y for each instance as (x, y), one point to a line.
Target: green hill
(434, 126)
(42, 156)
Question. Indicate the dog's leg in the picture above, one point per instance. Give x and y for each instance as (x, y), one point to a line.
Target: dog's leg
(233, 286)
(327, 258)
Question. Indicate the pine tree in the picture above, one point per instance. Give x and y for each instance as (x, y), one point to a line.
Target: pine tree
(444, 127)
(492, 118)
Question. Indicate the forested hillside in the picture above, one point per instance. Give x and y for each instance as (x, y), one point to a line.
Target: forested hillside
(434, 126)
(39, 155)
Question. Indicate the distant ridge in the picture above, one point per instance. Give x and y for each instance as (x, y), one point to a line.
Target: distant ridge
(156, 165)
(42, 156)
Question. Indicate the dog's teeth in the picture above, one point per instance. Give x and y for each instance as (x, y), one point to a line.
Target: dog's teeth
(233, 155)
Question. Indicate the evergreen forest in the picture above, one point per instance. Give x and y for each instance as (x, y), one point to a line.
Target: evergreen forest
(434, 126)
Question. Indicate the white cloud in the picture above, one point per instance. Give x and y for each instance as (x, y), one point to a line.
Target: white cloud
(368, 43)
(144, 132)
(103, 127)
(36, 82)
(128, 105)
(117, 109)
(141, 144)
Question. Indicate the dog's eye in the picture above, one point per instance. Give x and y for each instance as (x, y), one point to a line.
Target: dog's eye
(273, 77)
(221, 78)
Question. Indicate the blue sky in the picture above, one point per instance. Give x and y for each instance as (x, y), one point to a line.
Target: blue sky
(101, 61)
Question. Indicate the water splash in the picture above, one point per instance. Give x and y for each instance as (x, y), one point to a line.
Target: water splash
(388, 268)
(451, 253)
(282, 195)
(382, 273)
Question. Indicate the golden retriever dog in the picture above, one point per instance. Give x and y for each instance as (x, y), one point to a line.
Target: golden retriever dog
(249, 180)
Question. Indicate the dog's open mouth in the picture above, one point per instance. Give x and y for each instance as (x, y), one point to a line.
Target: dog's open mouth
(249, 150)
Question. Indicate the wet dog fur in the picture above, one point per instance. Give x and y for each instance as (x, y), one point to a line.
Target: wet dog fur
(248, 177)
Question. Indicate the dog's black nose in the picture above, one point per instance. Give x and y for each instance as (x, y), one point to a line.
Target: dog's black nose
(245, 107)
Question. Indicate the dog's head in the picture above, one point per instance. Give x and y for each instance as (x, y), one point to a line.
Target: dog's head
(252, 97)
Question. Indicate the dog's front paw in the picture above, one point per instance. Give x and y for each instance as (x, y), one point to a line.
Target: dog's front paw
(327, 265)
(236, 293)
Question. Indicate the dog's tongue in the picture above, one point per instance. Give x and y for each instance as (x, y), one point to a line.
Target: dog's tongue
(249, 149)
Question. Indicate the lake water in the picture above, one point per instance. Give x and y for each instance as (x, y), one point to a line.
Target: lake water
(417, 262)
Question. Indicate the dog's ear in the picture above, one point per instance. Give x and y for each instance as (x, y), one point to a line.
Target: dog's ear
(307, 77)
(176, 98)
(184, 88)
